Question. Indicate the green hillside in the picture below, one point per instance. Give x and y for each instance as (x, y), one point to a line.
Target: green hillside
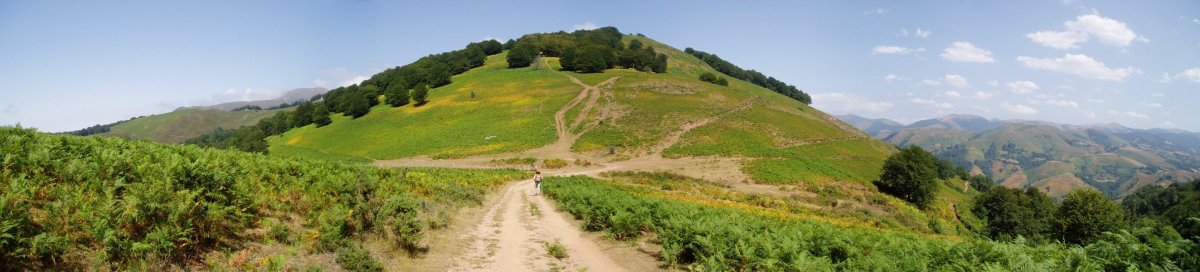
(497, 110)
(185, 123)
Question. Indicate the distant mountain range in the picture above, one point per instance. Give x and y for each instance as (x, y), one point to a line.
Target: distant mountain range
(1050, 156)
(287, 97)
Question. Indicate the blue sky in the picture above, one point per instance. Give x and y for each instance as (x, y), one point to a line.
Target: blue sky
(69, 64)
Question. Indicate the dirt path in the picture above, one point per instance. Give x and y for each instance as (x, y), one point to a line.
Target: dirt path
(514, 234)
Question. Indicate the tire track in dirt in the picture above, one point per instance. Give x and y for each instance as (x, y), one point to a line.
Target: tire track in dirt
(511, 238)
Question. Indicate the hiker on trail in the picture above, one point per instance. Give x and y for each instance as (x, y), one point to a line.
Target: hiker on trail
(537, 182)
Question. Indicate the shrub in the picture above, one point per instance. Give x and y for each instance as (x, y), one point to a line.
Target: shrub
(556, 250)
(358, 260)
(554, 163)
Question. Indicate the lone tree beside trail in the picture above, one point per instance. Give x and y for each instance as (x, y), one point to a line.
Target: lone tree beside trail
(419, 95)
(910, 175)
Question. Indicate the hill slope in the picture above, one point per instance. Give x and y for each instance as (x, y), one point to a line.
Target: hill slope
(614, 115)
(185, 123)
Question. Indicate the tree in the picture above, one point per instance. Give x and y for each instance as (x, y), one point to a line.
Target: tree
(982, 183)
(721, 81)
(592, 60)
(320, 115)
(521, 55)
(635, 44)
(491, 47)
(1084, 215)
(910, 175)
(708, 77)
(567, 59)
(357, 105)
(660, 64)
(419, 95)
(302, 116)
(396, 96)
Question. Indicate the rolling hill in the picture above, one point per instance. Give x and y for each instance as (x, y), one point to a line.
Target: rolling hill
(1056, 157)
(185, 123)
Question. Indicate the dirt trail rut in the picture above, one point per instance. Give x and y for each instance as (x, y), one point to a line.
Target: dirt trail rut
(512, 237)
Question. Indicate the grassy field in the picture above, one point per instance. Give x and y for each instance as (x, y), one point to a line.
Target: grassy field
(102, 203)
(513, 107)
(705, 232)
(185, 123)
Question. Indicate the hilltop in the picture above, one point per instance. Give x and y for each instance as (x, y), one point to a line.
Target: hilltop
(1058, 157)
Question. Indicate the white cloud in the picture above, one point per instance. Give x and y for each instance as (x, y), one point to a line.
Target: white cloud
(1166, 78)
(1129, 114)
(353, 80)
(1109, 31)
(967, 52)
(847, 103)
(931, 82)
(994, 83)
(1078, 65)
(246, 94)
(891, 77)
(1019, 109)
(952, 94)
(1058, 39)
(1153, 105)
(320, 83)
(878, 11)
(888, 49)
(923, 33)
(1094, 100)
(1085, 27)
(1166, 124)
(1089, 115)
(1157, 94)
(1065, 87)
(1023, 86)
(1195, 20)
(984, 95)
(956, 80)
(1192, 74)
(939, 105)
(584, 26)
(1061, 103)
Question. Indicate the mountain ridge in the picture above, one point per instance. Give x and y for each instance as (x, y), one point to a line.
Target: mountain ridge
(1057, 157)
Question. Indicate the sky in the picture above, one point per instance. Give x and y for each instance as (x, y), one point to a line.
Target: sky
(66, 65)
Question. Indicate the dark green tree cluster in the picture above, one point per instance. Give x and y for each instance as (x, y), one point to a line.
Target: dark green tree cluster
(714, 79)
(587, 51)
(1083, 216)
(750, 75)
(1177, 206)
(252, 138)
(1010, 213)
(910, 175)
(97, 129)
(248, 107)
